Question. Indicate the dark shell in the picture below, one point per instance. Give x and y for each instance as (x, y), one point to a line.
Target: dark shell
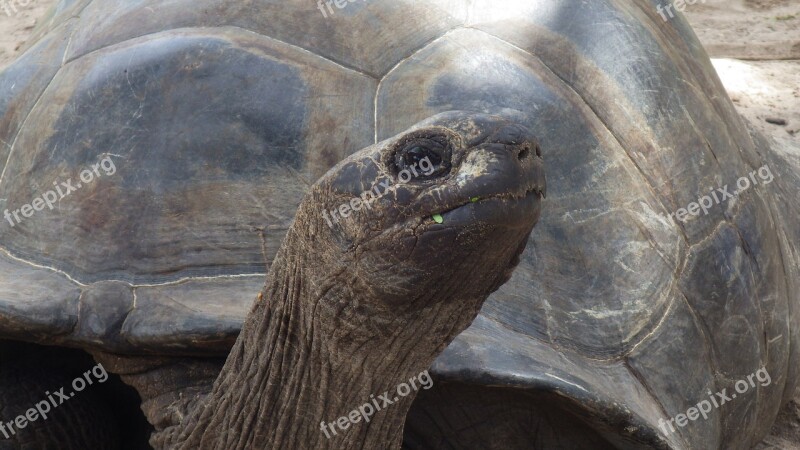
(218, 114)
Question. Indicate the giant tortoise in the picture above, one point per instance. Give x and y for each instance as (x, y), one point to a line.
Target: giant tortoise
(631, 305)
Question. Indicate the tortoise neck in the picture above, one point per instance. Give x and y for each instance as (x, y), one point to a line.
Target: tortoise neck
(287, 383)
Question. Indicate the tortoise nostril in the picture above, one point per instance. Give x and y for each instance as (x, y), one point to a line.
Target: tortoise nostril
(524, 153)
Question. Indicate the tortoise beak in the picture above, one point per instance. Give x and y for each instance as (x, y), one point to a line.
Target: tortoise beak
(526, 154)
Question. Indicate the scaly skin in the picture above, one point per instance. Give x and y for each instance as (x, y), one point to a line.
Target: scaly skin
(356, 308)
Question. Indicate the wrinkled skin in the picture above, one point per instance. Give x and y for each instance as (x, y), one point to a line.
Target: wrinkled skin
(356, 309)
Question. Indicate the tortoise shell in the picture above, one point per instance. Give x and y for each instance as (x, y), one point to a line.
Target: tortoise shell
(216, 116)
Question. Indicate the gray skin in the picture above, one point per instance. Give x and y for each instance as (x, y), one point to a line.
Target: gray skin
(619, 316)
(355, 308)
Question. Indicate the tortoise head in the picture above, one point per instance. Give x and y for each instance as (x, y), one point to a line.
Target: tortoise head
(441, 211)
(366, 298)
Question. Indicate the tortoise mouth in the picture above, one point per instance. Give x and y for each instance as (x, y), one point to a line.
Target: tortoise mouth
(506, 209)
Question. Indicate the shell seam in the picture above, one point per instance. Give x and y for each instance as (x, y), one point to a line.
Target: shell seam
(399, 63)
(129, 284)
(226, 27)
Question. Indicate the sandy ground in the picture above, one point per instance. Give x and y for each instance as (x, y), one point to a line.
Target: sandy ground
(755, 46)
(16, 27)
(748, 29)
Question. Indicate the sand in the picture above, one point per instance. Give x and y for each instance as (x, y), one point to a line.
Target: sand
(755, 47)
(16, 27)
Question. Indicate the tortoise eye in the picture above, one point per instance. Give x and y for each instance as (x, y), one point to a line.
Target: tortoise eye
(417, 153)
(428, 156)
